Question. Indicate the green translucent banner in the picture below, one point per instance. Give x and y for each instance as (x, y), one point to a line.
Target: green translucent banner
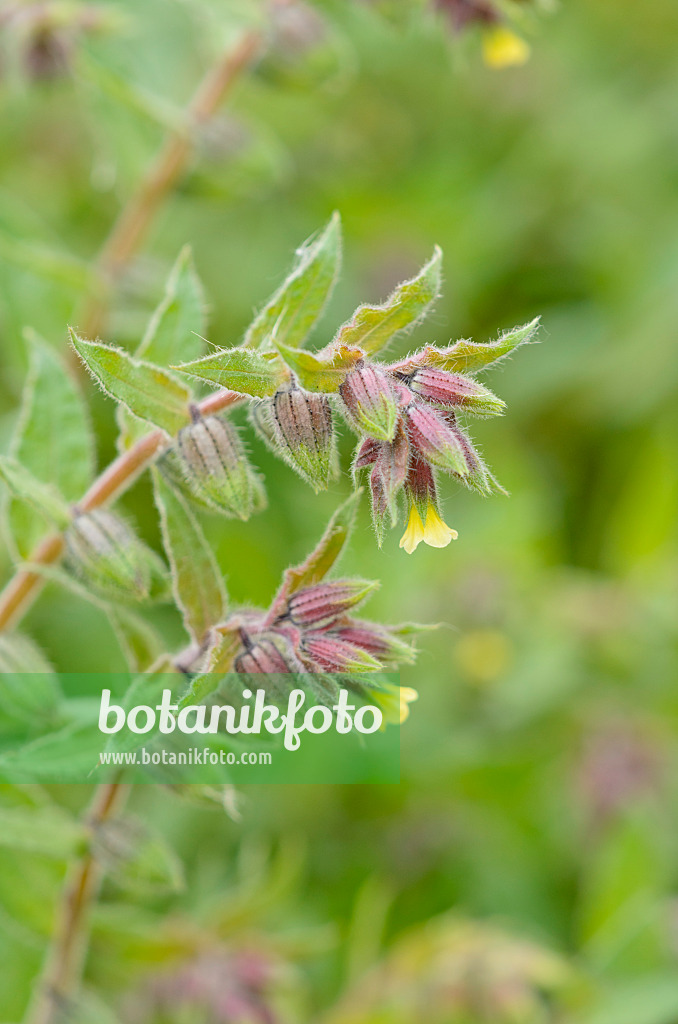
(172, 729)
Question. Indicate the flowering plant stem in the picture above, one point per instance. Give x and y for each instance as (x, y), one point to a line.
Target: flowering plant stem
(67, 952)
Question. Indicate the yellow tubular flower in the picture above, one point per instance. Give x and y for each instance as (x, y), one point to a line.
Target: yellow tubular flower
(436, 534)
(502, 48)
(407, 697)
(414, 534)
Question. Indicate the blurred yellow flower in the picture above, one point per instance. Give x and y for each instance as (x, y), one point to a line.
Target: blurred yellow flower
(394, 702)
(502, 48)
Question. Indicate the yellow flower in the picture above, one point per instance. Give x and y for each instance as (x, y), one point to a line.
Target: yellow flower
(394, 701)
(502, 48)
(437, 534)
(414, 534)
(433, 532)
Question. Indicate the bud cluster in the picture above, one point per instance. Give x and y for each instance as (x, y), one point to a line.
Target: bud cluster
(407, 418)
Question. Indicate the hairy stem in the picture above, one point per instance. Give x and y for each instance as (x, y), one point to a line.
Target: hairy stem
(25, 586)
(66, 957)
(134, 221)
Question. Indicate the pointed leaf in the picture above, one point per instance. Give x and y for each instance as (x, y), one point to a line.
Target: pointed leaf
(292, 311)
(470, 356)
(323, 557)
(197, 582)
(372, 327)
(43, 497)
(139, 642)
(137, 859)
(323, 371)
(148, 391)
(258, 374)
(46, 830)
(53, 439)
(174, 330)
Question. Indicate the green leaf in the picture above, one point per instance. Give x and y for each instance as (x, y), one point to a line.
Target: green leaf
(174, 330)
(137, 859)
(18, 653)
(47, 830)
(322, 371)
(69, 754)
(43, 497)
(148, 391)
(52, 439)
(258, 374)
(325, 554)
(471, 356)
(289, 315)
(196, 579)
(29, 688)
(373, 327)
(139, 642)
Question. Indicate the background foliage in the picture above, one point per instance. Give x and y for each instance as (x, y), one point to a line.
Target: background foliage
(538, 793)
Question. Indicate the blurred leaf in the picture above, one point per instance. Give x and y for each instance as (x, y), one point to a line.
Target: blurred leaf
(146, 390)
(196, 579)
(324, 371)
(53, 439)
(46, 262)
(30, 694)
(43, 497)
(238, 369)
(137, 859)
(146, 688)
(175, 329)
(372, 327)
(289, 315)
(46, 830)
(139, 642)
(18, 653)
(67, 754)
(651, 999)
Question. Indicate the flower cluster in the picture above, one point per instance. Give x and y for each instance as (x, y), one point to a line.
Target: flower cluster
(502, 46)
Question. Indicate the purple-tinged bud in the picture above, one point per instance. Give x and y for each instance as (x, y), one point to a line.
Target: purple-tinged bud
(323, 604)
(420, 485)
(332, 654)
(303, 430)
(369, 403)
(453, 389)
(268, 654)
(215, 467)
(387, 479)
(367, 453)
(378, 641)
(436, 441)
(103, 552)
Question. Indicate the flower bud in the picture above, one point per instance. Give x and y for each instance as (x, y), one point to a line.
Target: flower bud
(369, 403)
(215, 466)
(267, 655)
(320, 605)
(436, 440)
(453, 389)
(332, 654)
(378, 641)
(110, 559)
(304, 432)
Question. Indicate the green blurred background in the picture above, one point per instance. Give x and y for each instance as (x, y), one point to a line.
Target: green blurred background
(538, 792)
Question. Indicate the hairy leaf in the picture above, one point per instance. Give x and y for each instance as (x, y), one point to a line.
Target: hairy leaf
(43, 497)
(47, 830)
(470, 356)
(53, 439)
(290, 314)
(323, 371)
(372, 327)
(174, 330)
(258, 374)
(137, 859)
(196, 580)
(139, 642)
(148, 391)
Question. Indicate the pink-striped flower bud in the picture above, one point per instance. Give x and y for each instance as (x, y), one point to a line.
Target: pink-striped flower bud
(436, 440)
(379, 641)
(215, 467)
(332, 654)
(453, 389)
(304, 432)
(268, 654)
(323, 604)
(390, 466)
(369, 403)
